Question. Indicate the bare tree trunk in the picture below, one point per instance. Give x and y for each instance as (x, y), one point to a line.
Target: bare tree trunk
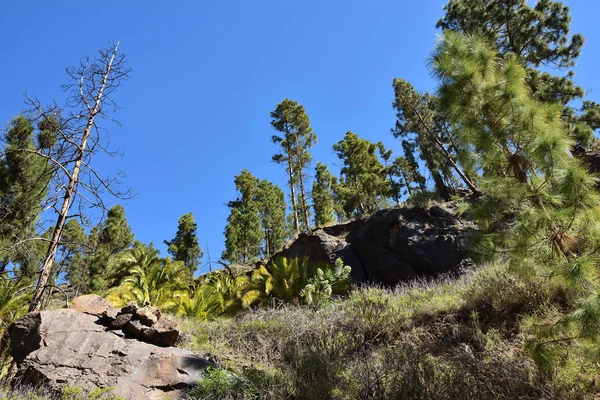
(36, 301)
(441, 186)
(445, 152)
(303, 199)
(267, 244)
(293, 197)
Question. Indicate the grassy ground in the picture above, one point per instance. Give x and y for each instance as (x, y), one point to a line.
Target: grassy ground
(445, 339)
(459, 337)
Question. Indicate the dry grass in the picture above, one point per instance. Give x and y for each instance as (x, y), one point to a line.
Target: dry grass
(453, 337)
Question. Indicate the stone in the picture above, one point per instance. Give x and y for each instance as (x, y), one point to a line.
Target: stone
(148, 315)
(163, 333)
(167, 333)
(130, 308)
(110, 315)
(120, 321)
(63, 346)
(392, 245)
(91, 304)
(24, 335)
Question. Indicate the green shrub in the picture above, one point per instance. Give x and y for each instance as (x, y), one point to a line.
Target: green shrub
(250, 384)
(325, 283)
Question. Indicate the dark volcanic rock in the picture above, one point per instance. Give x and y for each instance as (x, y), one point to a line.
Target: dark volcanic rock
(67, 346)
(120, 321)
(392, 245)
(24, 335)
(130, 308)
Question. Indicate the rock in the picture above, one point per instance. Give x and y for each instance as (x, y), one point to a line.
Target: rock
(91, 304)
(392, 245)
(130, 308)
(67, 346)
(120, 321)
(110, 315)
(24, 336)
(163, 333)
(148, 315)
(167, 333)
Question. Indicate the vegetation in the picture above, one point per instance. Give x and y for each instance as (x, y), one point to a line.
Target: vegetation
(448, 338)
(68, 392)
(149, 279)
(524, 322)
(184, 247)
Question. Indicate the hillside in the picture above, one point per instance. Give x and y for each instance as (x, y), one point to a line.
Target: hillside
(456, 258)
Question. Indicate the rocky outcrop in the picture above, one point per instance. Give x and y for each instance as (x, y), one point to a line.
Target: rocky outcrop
(54, 347)
(143, 323)
(392, 245)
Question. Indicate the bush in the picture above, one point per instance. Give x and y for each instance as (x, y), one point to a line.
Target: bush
(221, 384)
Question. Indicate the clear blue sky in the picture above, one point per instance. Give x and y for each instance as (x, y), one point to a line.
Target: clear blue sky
(206, 74)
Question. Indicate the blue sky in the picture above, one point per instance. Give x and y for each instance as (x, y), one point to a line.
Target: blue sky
(206, 74)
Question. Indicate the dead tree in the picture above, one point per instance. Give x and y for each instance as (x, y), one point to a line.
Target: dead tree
(78, 139)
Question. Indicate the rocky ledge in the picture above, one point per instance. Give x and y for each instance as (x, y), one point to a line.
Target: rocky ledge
(392, 245)
(93, 345)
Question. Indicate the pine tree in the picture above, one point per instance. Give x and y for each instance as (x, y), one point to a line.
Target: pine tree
(109, 238)
(409, 168)
(243, 233)
(24, 180)
(418, 123)
(74, 179)
(322, 195)
(291, 120)
(73, 250)
(539, 36)
(523, 151)
(271, 209)
(184, 247)
(363, 177)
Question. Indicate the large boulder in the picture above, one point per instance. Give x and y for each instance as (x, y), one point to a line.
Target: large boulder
(67, 346)
(392, 245)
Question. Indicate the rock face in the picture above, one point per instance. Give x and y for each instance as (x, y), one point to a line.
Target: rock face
(60, 346)
(392, 245)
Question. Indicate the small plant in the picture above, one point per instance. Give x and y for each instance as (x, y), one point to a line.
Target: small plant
(323, 284)
(70, 392)
(221, 384)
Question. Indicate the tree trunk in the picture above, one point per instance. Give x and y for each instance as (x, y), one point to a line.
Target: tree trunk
(293, 197)
(441, 187)
(36, 301)
(267, 245)
(446, 154)
(303, 200)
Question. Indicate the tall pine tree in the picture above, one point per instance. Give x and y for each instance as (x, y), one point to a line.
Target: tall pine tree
(243, 233)
(297, 138)
(362, 183)
(184, 246)
(523, 151)
(271, 209)
(24, 180)
(108, 239)
(322, 194)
